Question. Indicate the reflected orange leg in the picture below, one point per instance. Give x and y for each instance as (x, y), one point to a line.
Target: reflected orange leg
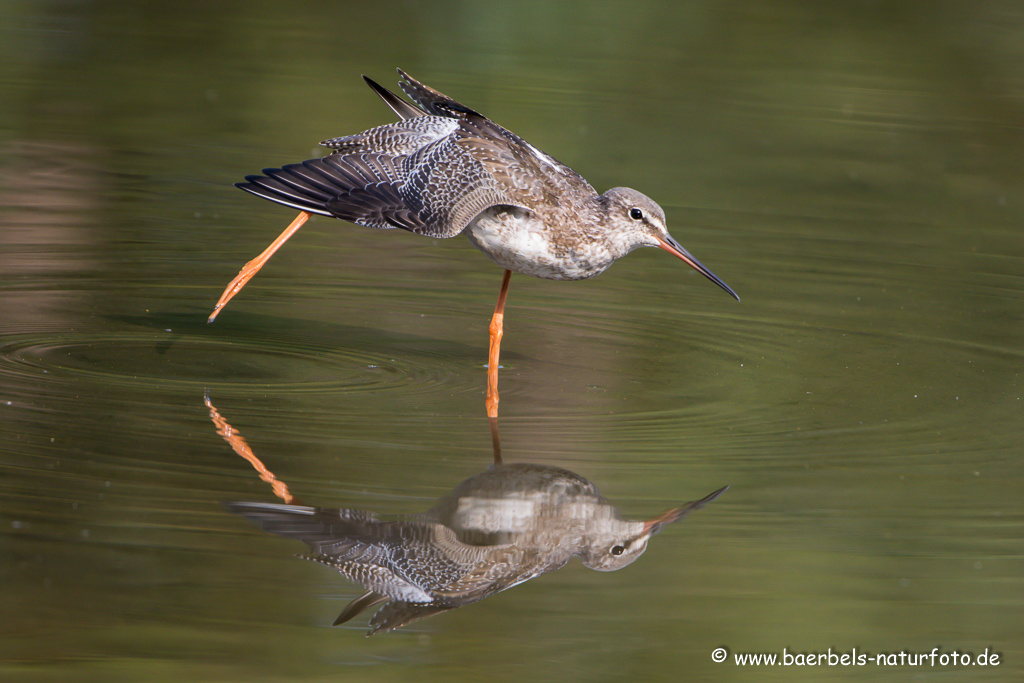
(495, 441)
(496, 330)
(253, 267)
(239, 445)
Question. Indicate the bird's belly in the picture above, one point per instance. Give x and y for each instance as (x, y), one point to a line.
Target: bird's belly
(514, 239)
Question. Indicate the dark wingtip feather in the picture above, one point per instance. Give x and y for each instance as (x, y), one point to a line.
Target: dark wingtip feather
(363, 602)
(280, 193)
(403, 109)
(432, 101)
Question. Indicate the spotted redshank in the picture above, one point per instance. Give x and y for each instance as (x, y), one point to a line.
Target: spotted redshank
(494, 531)
(445, 169)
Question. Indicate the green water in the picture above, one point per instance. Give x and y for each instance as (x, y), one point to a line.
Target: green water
(853, 170)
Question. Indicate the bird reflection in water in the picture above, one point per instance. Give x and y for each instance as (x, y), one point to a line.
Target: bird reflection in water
(495, 530)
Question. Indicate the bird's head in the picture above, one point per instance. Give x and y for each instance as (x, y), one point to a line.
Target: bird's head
(641, 223)
(619, 544)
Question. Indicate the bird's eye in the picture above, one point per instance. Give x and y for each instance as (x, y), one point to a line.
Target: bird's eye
(636, 214)
(618, 550)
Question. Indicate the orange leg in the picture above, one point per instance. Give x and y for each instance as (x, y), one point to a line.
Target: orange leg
(496, 330)
(253, 267)
(241, 447)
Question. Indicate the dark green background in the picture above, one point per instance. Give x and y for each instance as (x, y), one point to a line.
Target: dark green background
(852, 169)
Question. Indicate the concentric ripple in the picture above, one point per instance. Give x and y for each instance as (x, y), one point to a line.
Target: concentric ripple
(170, 360)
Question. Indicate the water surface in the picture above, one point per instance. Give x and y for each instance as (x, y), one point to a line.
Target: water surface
(852, 171)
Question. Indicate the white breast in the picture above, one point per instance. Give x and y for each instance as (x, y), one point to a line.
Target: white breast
(514, 239)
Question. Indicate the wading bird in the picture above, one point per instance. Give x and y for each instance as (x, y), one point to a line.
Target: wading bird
(445, 169)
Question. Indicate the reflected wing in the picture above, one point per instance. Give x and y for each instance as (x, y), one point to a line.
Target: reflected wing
(402, 560)
(310, 525)
(398, 614)
(363, 602)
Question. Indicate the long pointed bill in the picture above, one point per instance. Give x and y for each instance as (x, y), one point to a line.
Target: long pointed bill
(653, 526)
(676, 249)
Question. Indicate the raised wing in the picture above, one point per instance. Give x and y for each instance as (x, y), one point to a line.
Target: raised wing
(396, 139)
(431, 173)
(527, 174)
(397, 104)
